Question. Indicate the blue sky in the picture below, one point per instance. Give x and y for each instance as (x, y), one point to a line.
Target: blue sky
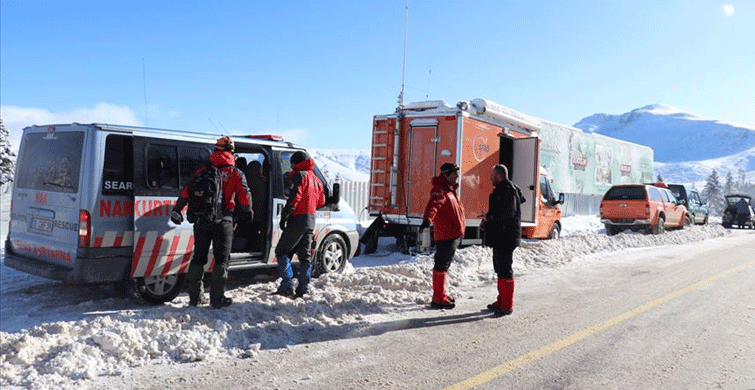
(317, 71)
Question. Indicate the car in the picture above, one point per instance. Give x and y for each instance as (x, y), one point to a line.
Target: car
(642, 207)
(690, 197)
(729, 218)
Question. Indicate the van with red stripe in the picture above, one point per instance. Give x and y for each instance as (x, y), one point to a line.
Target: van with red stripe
(91, 204)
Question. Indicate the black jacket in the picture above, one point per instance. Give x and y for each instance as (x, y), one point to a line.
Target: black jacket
(503, 222)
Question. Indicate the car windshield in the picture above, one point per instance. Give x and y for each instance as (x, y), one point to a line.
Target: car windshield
(625, 193)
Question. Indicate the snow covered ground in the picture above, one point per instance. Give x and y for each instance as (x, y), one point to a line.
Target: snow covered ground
(54, 335)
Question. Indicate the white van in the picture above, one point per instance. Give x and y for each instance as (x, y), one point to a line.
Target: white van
(91, 204)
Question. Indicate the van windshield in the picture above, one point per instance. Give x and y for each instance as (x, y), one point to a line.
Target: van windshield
(50, 161)
(625, 193)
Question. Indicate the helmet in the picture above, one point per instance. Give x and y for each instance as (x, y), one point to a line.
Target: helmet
(225, 143)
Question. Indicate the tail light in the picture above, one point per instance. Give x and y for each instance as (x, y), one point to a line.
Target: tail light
(647, 208)
(85, 228)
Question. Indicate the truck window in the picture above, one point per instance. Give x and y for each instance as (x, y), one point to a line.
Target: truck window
(51, 161)
(625, 193)
(162, 166)
(654, 194)
(545, 190)
(118, 168)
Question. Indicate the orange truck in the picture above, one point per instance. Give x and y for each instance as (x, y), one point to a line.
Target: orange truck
(409, 146)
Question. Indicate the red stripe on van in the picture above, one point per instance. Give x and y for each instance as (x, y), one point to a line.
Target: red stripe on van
(98, 242)
(187, 255)
(118, 242)
(137, 254)
(154, 256)
(171, 254)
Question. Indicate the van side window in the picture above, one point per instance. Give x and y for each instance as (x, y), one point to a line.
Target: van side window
(118, 169)
(191, 158)
(162, 166)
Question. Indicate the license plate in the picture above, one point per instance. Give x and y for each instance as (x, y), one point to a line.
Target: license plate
(41, 224)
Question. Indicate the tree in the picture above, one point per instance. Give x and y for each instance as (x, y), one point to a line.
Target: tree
(729, 184)
(713, 194)
(7, 156)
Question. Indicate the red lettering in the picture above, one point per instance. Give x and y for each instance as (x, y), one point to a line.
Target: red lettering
(128, 207)
(41, 198)
(104, 208)
(117, 210)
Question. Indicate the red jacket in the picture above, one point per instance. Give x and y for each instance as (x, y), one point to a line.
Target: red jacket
(445, 210)
(306, 193)
(234, 184)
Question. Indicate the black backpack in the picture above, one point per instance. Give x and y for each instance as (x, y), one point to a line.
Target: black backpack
(206, 196)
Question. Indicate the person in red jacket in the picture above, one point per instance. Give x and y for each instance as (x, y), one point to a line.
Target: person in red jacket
(298, 224)
(219, 232)
(446, 213)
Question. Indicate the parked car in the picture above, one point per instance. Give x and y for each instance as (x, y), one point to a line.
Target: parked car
(729, 218)
(642, 207)
(690, 197)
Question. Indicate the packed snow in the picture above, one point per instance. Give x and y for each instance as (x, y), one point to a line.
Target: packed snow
(54, 335)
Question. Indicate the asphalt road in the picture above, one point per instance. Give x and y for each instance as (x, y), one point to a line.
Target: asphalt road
(674, 317)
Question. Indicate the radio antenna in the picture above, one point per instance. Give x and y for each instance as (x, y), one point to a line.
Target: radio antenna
(403, 69)
(144, 79)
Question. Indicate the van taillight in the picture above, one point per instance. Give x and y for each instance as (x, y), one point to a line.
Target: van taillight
(85, 228)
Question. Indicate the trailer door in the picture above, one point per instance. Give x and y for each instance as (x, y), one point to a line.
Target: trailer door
(422, 152)
(525, 174)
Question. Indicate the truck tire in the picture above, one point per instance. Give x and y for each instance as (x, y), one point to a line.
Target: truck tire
(332, 256)
(159, 289)
(660, 227)
(555, 232)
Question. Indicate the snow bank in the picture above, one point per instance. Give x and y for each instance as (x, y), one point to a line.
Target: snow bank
(64, 354)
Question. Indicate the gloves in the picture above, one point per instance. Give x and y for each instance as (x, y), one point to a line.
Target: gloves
(425, 223)
(282, 224)
(176, 217)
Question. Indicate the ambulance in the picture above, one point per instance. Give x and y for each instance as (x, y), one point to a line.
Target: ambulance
(91, 204)
(409, 146)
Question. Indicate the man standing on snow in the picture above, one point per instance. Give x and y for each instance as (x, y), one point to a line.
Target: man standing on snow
(503, 231)
(743, 213)
(298, 224)
(446, 213)
(219, 230)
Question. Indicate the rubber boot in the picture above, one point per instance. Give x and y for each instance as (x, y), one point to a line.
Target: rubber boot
(194, 283)
(440, 299)
(504, 305)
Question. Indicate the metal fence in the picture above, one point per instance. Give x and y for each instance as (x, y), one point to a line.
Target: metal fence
(356, 194)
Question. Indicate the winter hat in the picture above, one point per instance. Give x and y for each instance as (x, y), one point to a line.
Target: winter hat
(448, 168)
(225, 143)
(298, 157)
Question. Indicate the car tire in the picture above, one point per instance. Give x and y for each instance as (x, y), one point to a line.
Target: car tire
(705, 221)
(660, 227)
(610, 230)
(332, 256)
(555, 232)
(688, 221)
(159, 289)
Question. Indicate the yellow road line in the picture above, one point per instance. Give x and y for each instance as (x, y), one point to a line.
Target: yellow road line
(497, 371)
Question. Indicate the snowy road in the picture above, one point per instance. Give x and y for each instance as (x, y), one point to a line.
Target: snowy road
(574, 325)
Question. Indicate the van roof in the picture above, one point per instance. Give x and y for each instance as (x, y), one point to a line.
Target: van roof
(247, 139)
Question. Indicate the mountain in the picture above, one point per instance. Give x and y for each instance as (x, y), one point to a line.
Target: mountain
(687, 147)
(346, 164)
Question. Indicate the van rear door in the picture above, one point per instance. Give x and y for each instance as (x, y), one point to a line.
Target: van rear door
(162, 167)
(47, 197)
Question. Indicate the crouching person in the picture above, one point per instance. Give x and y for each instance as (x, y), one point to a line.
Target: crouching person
(445, 211)
(298, 224)
(503, 231)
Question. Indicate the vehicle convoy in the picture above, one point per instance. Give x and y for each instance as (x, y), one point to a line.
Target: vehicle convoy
(409, 145)
(642, 207)
(91, 204)
(690, 197)
(730, 217)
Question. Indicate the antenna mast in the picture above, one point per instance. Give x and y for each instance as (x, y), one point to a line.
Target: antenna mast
(403, 70)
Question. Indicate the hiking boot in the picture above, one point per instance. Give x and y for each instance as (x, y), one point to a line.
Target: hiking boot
(285, 293)
(222, 302)
(444, 304)
(499, 311)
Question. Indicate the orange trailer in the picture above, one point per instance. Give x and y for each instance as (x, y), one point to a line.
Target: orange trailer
(409, 145)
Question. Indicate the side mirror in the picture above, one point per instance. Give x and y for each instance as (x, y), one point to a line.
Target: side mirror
(335, 197)
(561, 198)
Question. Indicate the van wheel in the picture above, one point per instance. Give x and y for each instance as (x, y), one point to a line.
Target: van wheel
(660, 227)
(332, 256)
(555, 233)
(159, 289)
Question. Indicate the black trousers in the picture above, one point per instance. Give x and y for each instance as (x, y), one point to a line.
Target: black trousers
(503, 260)
(444, 253)
(220, 235)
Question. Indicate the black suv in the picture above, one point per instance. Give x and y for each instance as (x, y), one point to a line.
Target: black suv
(688, 196)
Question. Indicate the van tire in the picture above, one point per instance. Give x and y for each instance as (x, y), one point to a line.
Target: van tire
(332, 256)
(159, 289)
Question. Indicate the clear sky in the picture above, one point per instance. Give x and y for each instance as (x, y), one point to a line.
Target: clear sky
(317, 71)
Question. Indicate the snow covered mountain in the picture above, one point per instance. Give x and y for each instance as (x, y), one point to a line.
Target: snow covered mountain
(687, 147)
(346, 164)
